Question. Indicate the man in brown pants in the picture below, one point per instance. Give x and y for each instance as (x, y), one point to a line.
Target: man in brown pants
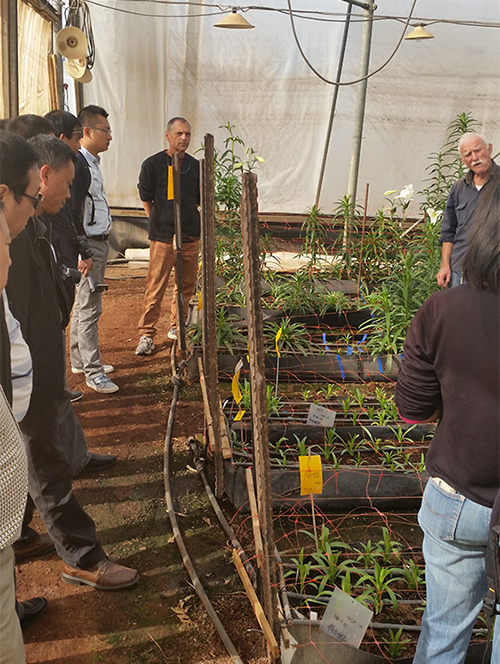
(155, 192)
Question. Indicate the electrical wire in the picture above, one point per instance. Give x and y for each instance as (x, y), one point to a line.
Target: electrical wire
(363, 78)
(78, 16)
(304, 14)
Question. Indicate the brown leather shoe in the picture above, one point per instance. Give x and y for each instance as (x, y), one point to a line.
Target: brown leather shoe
(38, 547)
(106, 575)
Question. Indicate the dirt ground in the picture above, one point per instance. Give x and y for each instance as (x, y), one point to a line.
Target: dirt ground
(161, 619)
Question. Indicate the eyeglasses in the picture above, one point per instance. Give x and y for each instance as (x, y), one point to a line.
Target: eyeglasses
(35, 200)
(107, 130)
(78, 132)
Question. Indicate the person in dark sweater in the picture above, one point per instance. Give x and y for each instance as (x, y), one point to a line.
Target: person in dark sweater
(154, 193)
(450, 371)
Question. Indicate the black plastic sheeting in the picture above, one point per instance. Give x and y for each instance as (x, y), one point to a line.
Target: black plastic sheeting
(344, 489)
(127, 232)
(310, 368)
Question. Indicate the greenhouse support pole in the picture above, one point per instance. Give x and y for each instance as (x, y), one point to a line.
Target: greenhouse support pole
(334, 104)
(210, 364)
(251, 259)
(359, 113)
(181, 320)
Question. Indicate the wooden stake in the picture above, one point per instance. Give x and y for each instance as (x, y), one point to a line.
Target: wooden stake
(251, 259)
(210, 361)
(206, 406)
(181, 321)
(259, 549)
(257, 607)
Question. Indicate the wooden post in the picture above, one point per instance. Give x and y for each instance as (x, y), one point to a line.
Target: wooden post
(210, 365)
(10, 64)
(181, 320)
(251, 257)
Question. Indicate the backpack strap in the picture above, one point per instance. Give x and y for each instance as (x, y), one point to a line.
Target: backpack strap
(88, 193)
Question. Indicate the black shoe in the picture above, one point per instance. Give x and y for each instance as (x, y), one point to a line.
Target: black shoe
(31, 610)
(75, 396)
(98, 462)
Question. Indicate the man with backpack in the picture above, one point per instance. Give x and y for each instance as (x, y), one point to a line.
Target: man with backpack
(84, 349)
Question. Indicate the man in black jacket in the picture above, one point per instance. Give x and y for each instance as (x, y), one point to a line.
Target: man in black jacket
(38, 300)
(156, 193)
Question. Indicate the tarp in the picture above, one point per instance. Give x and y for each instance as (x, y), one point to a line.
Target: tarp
(172, 61)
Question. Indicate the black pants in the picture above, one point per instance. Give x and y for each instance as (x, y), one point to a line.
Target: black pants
(50, 480)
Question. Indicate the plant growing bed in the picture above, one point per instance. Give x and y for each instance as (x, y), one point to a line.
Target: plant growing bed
(385, 576)
(364, 464)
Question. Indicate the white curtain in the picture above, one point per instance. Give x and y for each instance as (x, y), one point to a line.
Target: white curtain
(34, 47)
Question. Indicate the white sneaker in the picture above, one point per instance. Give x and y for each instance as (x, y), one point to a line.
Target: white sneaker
(172, 333)
(102, 384)
(108, 368)
(145, 346)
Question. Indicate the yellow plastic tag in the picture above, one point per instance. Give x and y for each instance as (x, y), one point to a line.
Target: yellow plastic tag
(278, 337)
(239, 415)
(200, 301)
(170, 186)
(235, 382)
(311, 474)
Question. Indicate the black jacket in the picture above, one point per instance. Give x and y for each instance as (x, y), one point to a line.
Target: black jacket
(38, 300)
(153, 181)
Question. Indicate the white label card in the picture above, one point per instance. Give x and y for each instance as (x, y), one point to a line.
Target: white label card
(345, 619)
(321, 416)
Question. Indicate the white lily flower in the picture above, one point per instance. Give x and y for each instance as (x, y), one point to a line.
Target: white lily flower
(406, 194)
(434, 215)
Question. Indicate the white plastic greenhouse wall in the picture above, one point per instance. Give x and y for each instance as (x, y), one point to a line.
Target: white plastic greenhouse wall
(155, 60)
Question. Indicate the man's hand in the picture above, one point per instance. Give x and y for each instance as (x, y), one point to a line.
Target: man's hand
(443, 276)
(85, 266)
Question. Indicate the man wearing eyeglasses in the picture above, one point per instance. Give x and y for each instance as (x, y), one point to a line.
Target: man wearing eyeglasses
(84, 350)
(38, 300)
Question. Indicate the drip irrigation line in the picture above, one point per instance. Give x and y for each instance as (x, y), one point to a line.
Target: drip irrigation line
(176, 380)
(393, 626)
(199, 464)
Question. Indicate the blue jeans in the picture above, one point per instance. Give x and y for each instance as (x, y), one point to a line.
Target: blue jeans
(455, 280)
(455, 538)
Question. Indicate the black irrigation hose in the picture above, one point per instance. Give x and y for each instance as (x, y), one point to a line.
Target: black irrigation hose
(199, 464)
(175, 526)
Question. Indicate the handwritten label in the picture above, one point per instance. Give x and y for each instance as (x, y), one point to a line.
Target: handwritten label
(345, 619)
(321, 416)
(311, 474)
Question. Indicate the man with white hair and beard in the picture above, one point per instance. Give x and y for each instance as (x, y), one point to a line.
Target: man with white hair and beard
(475, 153)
